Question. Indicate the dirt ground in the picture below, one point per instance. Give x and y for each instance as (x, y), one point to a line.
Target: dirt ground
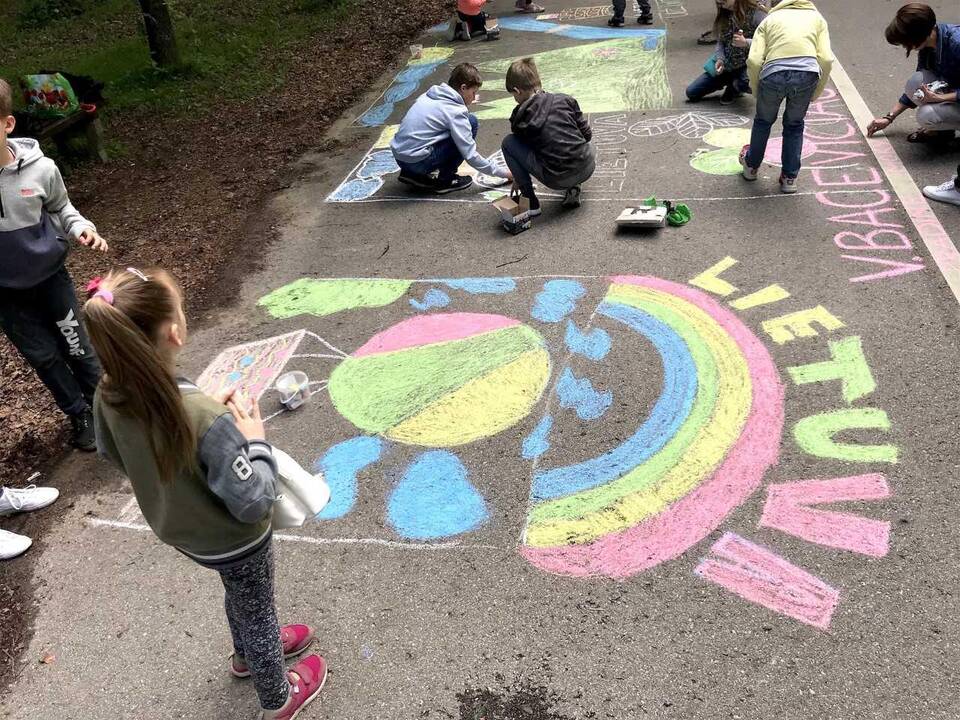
(188, 197)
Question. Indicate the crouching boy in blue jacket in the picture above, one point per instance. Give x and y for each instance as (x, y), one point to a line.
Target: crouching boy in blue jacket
(438, 133)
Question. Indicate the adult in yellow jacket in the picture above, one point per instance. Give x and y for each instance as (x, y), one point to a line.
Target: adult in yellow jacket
(790, 61)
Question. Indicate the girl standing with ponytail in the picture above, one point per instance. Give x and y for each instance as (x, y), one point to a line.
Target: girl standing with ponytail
(202, 472)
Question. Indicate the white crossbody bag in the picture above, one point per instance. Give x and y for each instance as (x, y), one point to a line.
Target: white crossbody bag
(300, 494)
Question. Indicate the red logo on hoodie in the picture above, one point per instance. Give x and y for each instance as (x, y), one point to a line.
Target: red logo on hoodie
(27, 192)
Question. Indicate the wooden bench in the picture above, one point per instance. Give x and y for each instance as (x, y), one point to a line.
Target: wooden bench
(60, 129)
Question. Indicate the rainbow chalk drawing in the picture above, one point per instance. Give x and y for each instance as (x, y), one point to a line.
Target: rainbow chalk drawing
(251, 367)
(404, 85)
(703, 450)
(444, 379)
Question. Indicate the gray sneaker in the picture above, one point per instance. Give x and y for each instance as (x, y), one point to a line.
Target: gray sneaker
(788, 185)
(945, 193)
(571, 199)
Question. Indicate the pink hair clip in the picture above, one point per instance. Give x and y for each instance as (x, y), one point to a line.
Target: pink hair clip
(104, 295)
(93, 285)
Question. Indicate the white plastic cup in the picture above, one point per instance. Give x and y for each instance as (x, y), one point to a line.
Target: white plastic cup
(416, 52)
(294, 389)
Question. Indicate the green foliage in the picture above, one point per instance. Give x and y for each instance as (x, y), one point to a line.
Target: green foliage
(37, 14)
(231, 49)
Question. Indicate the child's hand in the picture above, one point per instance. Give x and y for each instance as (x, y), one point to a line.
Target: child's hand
(92, 240)
(249, 423)
(739, 40)
(720, 66)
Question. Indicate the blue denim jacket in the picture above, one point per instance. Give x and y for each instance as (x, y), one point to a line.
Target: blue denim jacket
(943, 60)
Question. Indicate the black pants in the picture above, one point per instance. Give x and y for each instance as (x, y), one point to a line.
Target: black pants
(476, 24)
(43, 323)
(619, 6)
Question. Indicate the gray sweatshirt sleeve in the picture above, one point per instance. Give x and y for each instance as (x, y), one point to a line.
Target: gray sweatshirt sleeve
(63, 212)
(243, 474)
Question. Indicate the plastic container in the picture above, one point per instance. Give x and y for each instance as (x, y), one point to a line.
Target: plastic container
(294, 389)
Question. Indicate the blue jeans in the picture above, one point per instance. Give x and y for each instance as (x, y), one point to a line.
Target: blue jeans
(707, 84)
(444, 157)
(797, 88)
(522, 162)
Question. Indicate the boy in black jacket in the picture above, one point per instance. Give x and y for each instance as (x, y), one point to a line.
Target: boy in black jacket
(550, 140)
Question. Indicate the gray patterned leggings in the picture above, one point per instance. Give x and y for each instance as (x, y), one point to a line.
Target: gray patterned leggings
(253, 624)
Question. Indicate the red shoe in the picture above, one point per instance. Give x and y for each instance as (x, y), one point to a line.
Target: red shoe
(307, 678)
(295, 639)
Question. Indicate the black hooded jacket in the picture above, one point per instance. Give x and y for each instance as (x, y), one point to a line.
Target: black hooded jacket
(553, 126)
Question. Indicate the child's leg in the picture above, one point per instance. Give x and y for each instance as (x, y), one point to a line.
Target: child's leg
(446, 155)
(705, 85)
(769, 96)
(619, 6)
(253, 623)
(62, 301)
(28, 324)
(645, 10)
(522, 163)
(799, 94)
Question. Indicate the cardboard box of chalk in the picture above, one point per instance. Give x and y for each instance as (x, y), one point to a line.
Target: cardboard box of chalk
(643, 217)
(514, 214)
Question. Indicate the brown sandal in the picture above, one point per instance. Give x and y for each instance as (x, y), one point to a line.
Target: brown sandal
(922, 136)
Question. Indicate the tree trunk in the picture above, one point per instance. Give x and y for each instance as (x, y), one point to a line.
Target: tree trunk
(160, 36)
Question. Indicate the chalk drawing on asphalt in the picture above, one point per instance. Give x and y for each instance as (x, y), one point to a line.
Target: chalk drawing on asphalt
(419, 400)
(404, 85)
(690, 125)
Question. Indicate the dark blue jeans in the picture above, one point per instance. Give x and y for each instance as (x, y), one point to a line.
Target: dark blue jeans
(796, 87)
(707, 84)
(619, 6)
(444, 157)
(43, 323)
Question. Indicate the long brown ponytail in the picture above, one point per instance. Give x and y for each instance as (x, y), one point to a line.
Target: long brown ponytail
(742, 11)
(124, 321)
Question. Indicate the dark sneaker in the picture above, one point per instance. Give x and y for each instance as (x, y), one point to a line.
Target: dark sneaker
(645, 20)
(730, 94)
(83, 435)
(457, 182)
(423, 182)
(615, 22)
(534, 205)
(571, 199)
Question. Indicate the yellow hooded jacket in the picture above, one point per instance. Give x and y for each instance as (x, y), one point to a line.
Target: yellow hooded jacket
(794, 28)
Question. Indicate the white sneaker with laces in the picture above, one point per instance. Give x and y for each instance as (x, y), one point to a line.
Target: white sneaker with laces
(12, 544)
(14, 500)
(946, 193)
(788, 185)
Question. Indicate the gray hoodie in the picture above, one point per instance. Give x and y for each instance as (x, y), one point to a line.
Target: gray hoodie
(438, 114)
(36, 217)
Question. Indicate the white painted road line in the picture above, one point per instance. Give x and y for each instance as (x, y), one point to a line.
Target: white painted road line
(933, 234)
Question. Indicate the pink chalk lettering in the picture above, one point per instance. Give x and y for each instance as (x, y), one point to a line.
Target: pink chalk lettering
(846, 180)
(835, 156)
(851, 131)
(825, 199)
(757, 574)
(897, 267)
(867, 241)
(787, 509)
(867, 217)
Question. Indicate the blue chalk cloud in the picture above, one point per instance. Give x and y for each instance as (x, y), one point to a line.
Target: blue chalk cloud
(433, 298)
(435, 499)
(340, 466)
(557, 300)
(579, 394)
(537, 442)
(483, 286)
(594, 344)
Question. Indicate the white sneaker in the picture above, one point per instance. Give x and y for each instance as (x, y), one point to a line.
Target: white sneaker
(788, 185)
(748, 172)
(14, 500)
(12, 544)
(946, 193)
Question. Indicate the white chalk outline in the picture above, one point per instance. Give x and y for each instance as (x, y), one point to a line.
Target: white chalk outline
(284, 537)
(932, 233)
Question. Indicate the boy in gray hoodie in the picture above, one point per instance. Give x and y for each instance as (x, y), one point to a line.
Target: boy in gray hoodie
(550, 139)
(38, 305)
(438, 133)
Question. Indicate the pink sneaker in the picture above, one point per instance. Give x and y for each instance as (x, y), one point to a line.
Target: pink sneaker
(307, 678)
(295, 639)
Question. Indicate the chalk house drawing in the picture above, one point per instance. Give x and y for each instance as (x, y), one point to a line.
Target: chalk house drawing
(418, 396)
